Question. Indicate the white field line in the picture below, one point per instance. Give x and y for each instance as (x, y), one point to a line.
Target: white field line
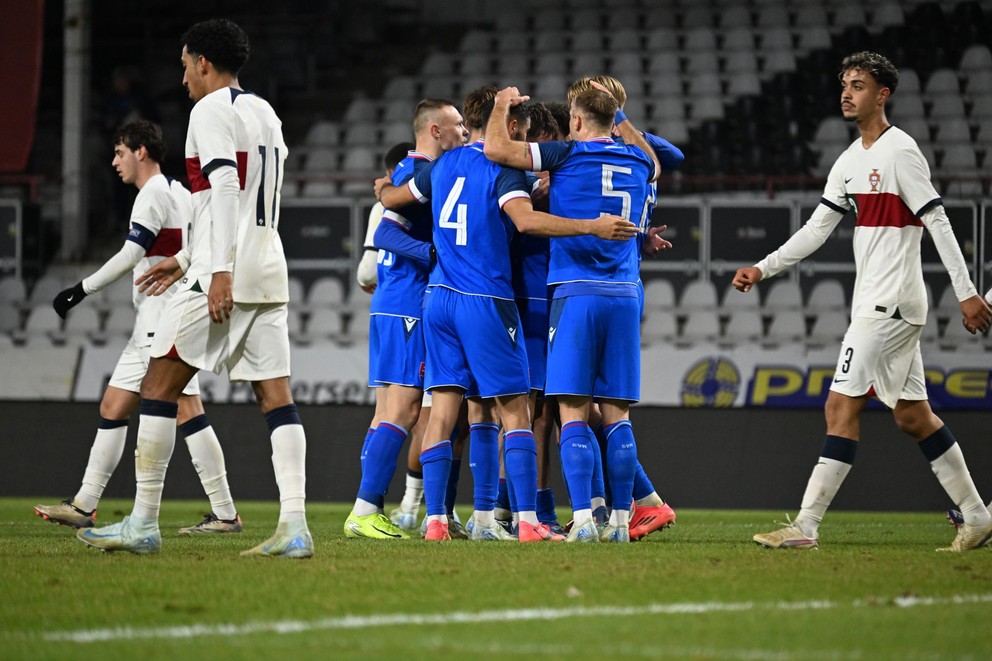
(502, 616)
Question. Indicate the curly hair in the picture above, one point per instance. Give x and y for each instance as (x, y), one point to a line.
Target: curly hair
(472, 105)
(142, 133)
(222, 42)
(542, 123)
(879, 66)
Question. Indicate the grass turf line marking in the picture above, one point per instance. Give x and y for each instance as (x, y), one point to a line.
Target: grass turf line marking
(517, 615)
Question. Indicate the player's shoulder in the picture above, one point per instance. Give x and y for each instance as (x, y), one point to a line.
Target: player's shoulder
(897, 140)
(156, 188)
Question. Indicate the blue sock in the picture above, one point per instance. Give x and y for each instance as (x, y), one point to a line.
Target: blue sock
(382, 451)
(452, 489)
(600, 483)
(365, 445)
(642, 485)
(510, 495)
(577, 463)
(483, 459)
(436, 464)
(521, 467)
(621, 462)
(546, 506)
(502, 495)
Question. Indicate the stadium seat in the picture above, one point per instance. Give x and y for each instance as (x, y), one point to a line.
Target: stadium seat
(359, 159)
(930, 335)
(701, 62)
(736, 16)
(887, 14)
(976, 58)
(740, 62)
(905, 106)
(705, 84)
(916, 127)
(981, 108)
(396, 132)
(942, 82)
(669, 106)
(659, 325)
(637, 109)
(119, 322)
(512, 42)
(953, 130)
(587, 64)
(813, 38)
(775, 39)
(444, 87)
(45, 289)
(909, 81)
(513, 66)
(476, 41)
(662, 39)
(620, 19)
(829, 328)
(297, 294)
(361, 109)
(811, 15)
(294, 321)
(832, 129)
(772, 16)
(742, 83)
(673, 129)
(734, 300)
(10, 317)
(626, 64)
(698, 295)
(550, 87)
(361, 133)
(783, 295)
(707, 107)
(848, 14)
(738, 38)
(697, 16)
(625, 41)
(827, 154)
(42, 321)
(436, 64)
(826, 296)
(12, 291)
(700, 326)
(318, 189)
(659, 294)
(82, 322)
(550, 41)
(586, 41)
(664, 64)
(778, 61)
(475, 64)
(979, 82)
(699, 39)
(957, 338)
(787, 326)
(744, 327)
(959, 159)
(324, 323)
(552, 63)
(323, 134)
(660, 16)
(326, 292)
(400, 87)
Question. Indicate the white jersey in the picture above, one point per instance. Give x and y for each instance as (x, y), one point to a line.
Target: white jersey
(233, 128)
(888, 186)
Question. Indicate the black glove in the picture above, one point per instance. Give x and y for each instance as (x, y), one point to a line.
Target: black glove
(67, 299)
(433, 258)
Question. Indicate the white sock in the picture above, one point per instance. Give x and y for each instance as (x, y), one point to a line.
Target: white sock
(364, 508)
(581, 517)
(529, 516)
(156, 441)
(208, 460)
(413, 495)
(597, 503)
(289, 458)
(104, 457)
(485, 519)
(443, 518)
(824, 482)
(620, 518)
(952, 472)
(651, 500)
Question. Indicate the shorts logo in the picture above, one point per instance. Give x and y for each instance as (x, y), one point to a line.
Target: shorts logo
(711, 382)
(409, 323)
(513, 333)
(551, 334)
(874, 179)
(510, 318)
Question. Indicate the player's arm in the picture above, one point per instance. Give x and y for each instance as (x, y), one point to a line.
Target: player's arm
(139, 239)
(529, 221)
(499, 146)
(391, 236)
(367, 272)
(393, 197)
(653, 242)
(631, 135)
(669, 156)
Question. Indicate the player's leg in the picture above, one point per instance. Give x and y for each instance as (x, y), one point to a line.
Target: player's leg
(484, 463)
(601, 496)
(459, 437)
(208, 460)
(116, 407)
(578, 447)
(621, 464)
(377, 417)
(544, 428)
(406, 515)
(436, 458)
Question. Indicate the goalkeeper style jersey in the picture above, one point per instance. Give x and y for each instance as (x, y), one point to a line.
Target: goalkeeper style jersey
(888, 186)
(237, 129)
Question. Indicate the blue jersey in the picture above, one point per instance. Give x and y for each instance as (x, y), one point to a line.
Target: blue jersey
(589, 179)
(529, 257)
(401, 280)
(471, 232)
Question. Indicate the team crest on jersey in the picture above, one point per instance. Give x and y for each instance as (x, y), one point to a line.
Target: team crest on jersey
(874, 179)
(409, 323)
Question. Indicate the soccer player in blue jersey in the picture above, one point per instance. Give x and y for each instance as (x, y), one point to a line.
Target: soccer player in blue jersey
(396, 343)
(651, 512)
(594, 334)
(472, 326)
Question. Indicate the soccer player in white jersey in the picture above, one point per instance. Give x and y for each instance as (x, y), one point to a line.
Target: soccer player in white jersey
(885, 179)
(159, 219)
(230, 310)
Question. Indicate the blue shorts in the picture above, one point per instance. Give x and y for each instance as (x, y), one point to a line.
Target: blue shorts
(396, 351)
(594, 347)
(474, 338)
(534, 315)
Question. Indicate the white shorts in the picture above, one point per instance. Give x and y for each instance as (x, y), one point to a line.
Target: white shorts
(884, 355)
(131, 368)
(253, 344)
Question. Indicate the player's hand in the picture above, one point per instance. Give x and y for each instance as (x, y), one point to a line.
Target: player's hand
(614, 228)
(976, 313)
(541, 194)
(69, 298)
(381, 183)
(220, 298)
(746, 278)
(653, 243)
(597, 86)
(510, 96)
(160, 277)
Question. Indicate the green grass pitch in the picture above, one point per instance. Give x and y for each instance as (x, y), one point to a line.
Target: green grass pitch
(699, 590)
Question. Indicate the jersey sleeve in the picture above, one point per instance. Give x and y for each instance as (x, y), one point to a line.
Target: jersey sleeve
(511, 184)
(212, 130)
(669, 156)
(420, 183)
(835, 192)
(147, 216)
(549, 155)
(913, 178)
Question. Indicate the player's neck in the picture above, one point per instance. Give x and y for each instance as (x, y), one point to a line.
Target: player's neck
(428, 147)
(220, 81)
(146, 172)
(871, 128)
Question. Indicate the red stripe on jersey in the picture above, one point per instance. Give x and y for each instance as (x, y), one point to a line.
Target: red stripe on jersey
(168, 242)
(242, 168)
(884, 210)
(197, 182)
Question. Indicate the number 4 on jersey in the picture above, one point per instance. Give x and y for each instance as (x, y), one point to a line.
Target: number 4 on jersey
(460, 224)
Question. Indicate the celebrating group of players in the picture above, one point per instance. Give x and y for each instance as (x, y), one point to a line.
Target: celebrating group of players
(507, 279)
